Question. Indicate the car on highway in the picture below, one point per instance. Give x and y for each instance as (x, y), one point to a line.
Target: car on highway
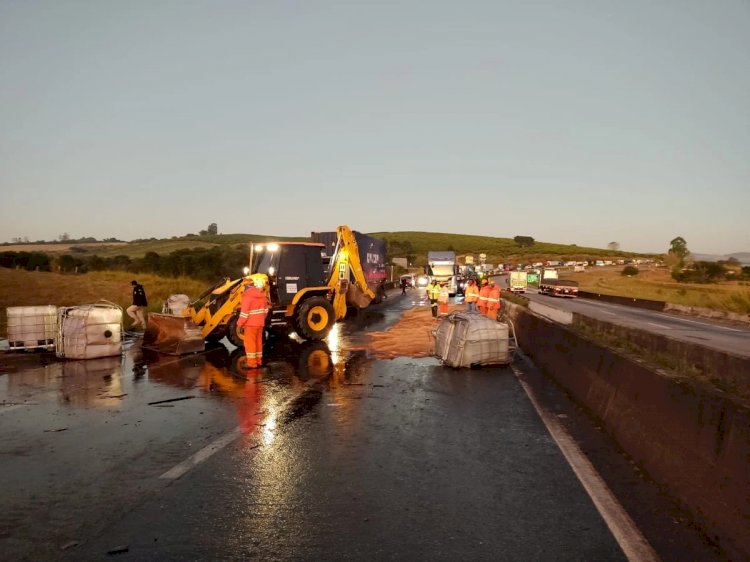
(408, 280)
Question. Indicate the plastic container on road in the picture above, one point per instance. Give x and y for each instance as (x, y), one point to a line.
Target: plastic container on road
(32, 327)
(89, 331)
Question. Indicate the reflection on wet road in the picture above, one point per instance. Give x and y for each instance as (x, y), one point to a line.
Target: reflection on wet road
(82, 440)
(324, 453)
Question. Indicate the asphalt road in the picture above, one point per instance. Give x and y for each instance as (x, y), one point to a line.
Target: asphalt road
(729, 339)
(324, 454)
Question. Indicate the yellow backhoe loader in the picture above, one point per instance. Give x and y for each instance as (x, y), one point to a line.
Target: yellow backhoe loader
(305, 294)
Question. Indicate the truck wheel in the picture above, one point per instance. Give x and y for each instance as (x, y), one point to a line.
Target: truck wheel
(314, 318)
(233, 332)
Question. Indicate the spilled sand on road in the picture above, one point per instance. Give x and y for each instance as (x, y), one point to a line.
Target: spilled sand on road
(411, 336)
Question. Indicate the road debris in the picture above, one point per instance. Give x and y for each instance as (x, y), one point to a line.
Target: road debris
(119, 549)
(169, 400)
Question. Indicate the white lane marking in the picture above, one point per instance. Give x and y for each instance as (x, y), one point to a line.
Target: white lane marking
(622, 527)
(206, 452)
(704, 324)
(660, 326)
(191, 462)
(608, 312)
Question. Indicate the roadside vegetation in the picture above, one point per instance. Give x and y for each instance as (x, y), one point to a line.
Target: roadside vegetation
(86, 270)
(659, 285)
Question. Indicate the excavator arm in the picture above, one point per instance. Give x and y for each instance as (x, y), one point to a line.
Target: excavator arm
(346, 265)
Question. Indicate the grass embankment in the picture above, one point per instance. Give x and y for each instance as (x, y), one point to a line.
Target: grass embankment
(657, 284)
(34, 288)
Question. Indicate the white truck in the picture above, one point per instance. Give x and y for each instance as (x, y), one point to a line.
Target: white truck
(518, 282)
(442, 266)
(551, 284)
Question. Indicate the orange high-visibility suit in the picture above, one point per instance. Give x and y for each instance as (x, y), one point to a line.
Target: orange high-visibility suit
(471, 295)
(484, 294)
(493, 301)
(443, 298)
(252, 319)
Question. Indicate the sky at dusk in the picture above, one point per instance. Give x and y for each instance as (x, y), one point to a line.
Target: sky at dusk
(576, 122)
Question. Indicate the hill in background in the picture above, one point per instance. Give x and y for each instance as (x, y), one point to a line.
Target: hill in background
(414, 245)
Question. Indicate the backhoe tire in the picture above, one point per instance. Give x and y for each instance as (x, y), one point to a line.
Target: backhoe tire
(314, 318)
(218, 334)
(314, 361)
(235, 337)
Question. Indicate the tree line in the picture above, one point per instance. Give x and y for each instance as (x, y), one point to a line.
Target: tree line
(208, 264)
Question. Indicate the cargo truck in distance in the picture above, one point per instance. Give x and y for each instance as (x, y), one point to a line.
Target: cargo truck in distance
(551, 284)
(442, 266)
(518, 281)
(307, 291)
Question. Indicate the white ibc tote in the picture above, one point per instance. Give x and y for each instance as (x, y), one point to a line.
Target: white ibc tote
(89, 331)
(32, 327)
(175, 305)
(468, 339)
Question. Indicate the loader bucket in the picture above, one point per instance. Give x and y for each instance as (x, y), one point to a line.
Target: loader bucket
(356, 297)
(173, 335)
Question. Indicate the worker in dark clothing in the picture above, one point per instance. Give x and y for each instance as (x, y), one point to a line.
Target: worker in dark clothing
(135, 311)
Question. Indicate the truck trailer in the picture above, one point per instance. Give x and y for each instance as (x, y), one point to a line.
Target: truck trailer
(551, 284)
(372, 257)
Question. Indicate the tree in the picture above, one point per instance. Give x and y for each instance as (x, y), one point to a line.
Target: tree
(213, 229)
(614, 246)
(67, 262)
(64, 237)
(679, 248)
(523, 241)
(678, 251)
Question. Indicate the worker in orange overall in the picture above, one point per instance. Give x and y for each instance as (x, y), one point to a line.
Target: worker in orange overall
(484, 294)
(493, 300)
(252, 319)
(471, 296)
(443, 298)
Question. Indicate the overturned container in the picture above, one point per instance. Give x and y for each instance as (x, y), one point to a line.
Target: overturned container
(173, 335)
(175, 305)
(469, 339)
(89, 331)
(32, 327)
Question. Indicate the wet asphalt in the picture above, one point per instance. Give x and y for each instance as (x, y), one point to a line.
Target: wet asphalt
(325, 454)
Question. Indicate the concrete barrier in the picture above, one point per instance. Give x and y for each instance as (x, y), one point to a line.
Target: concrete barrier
(724, 371)
(691, 439)
(626, 301)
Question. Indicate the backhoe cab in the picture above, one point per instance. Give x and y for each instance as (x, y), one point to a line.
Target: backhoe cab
(305, 294)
